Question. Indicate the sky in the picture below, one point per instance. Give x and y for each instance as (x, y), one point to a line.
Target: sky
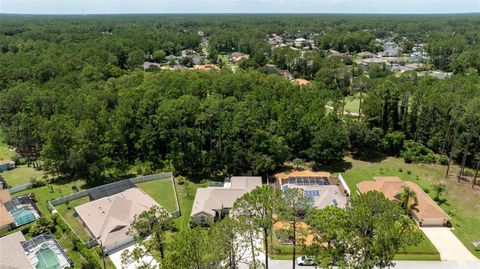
(238, 6)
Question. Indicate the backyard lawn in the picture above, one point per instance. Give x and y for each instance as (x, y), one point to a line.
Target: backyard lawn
(228, 64)
(186, 197)
(461, 200)
(5, 153)
(162, 191)
(21, 175)
(351, 103)
(49, 192)
(68, 213)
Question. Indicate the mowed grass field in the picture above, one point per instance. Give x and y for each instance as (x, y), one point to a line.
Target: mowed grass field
(22, 174)
(352, 103)
(5, 153)
(161, 191)
(68, 213)
(462, 201)
(186, 195)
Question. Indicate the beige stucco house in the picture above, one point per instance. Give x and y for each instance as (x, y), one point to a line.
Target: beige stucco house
(214, 202)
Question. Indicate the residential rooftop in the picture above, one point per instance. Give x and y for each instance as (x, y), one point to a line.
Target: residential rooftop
(391, 187)
(208, 200)
(108, 219)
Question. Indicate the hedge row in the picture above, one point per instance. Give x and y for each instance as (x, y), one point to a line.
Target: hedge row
(92, 259)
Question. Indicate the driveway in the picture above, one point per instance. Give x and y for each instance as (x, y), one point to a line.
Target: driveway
(448, 245)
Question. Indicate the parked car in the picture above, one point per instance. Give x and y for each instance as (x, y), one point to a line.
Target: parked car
(305, 260)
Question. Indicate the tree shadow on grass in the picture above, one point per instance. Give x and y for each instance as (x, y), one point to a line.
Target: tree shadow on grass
(372, 158)
(339, 167)
(442, 201)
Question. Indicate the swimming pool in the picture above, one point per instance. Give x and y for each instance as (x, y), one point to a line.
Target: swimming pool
(22, 216)
(47, 259)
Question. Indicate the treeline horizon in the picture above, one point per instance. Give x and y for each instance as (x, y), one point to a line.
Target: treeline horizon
(73, 95)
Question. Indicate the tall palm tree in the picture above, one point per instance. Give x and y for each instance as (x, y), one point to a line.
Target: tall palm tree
(408, 199)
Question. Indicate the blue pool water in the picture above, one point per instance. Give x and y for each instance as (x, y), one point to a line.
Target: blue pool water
(22, 216)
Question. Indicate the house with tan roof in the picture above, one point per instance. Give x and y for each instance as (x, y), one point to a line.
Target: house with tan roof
(426, 212)
(41, 251)
(216, 201)
(12, 255)
(6, 220)
(206, 67)
(301, 82)
(108, 219)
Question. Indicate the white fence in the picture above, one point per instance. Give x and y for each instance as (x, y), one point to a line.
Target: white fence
(344, 184)
(20, 188)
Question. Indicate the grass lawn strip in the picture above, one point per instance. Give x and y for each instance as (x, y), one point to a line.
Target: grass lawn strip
(68, 213)
(161, 190)
(461, 202)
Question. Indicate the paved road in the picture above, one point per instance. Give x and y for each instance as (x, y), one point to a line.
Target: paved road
(448, 245)
(275, 264)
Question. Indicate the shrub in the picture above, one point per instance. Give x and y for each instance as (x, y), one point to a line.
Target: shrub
(19, 160)
(181, 180)
(393, 143)
(443, 160)
(400, 169)
(414, 152)
(90, 256)
(37, 183)
(42, 225)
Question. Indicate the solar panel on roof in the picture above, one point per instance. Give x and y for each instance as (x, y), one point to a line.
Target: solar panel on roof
(312, 193)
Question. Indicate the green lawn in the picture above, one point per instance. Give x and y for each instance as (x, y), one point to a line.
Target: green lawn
(5, 153)
(225, 59)
(43, 194)
(161, 191)
(351, 103)
(424, 251)
(462, 201)
(186, 202)
(68, 213)
(50, 192)
(21, 175)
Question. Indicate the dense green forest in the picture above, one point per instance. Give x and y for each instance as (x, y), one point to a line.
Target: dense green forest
(73, 94)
